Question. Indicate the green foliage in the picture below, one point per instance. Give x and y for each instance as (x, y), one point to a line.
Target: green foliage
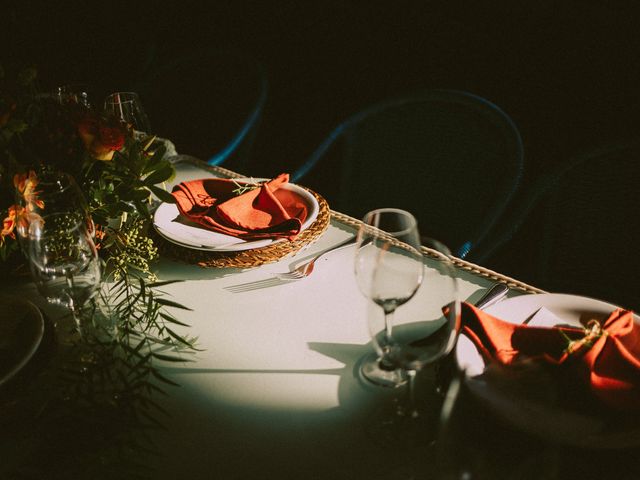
(99, 393)
(127, 183)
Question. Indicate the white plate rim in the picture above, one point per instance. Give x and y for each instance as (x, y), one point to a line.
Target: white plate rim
(234, 244)
(33, 347)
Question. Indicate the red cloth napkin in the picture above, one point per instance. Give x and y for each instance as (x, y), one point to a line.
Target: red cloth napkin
(267, 211)
(609, 363)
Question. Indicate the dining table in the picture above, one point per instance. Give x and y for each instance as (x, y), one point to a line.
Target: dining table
(274, 388)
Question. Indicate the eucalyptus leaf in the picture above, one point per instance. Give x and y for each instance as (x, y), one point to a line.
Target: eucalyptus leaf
(158, 176)
(162, 194)
(170, 303)
(169, 358)
(162, 283)
(164, 379)
(172, 319)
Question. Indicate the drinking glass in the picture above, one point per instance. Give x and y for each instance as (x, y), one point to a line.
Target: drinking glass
(426, 336)
(128, 107)
(63, 260)
(389, 270)
(75, 93)
(56, 235)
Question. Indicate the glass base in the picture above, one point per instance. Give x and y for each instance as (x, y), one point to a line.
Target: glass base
(376, 373)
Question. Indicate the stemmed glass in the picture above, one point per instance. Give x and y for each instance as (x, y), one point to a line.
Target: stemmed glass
(390, 267)
(75, 92)
(389, 270)
(63, 260)
(128, 107)
(56, 236)
(430, 334)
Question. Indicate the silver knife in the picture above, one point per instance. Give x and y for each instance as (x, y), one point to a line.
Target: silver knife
(491, 296)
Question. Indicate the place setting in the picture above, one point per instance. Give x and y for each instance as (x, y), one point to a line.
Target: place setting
(239, 222)
(565, 368)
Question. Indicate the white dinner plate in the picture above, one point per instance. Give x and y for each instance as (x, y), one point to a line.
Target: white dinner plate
(172, 226)
(535, 413)
(21, 331)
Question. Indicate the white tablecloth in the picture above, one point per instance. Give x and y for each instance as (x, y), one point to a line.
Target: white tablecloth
(275, 392)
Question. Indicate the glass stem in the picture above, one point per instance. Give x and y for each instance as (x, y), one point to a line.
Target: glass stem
(73, 306)
(411, 394)
(388, 322)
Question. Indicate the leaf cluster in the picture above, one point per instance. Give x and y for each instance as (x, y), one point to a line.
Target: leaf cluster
(104, 381)
(129, 182)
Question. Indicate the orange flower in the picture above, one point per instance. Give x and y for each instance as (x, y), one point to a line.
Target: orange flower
(9, 223)
(24, 219)
(26, 184)
(100, 235)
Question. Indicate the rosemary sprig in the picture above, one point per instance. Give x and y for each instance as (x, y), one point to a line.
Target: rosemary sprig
(247, 186)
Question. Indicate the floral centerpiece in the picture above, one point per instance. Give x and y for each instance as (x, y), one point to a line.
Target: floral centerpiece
(104, 381)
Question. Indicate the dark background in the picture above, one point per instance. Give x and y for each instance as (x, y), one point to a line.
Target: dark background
(565, 71)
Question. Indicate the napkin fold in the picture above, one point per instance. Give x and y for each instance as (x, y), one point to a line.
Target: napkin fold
(267, 211)
(604, 355)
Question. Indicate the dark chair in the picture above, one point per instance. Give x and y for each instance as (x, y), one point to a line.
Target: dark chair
(451, 158)
(209, 104)
(576, 229)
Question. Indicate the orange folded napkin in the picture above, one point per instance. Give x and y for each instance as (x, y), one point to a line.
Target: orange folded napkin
(266, 211)
(605, 355)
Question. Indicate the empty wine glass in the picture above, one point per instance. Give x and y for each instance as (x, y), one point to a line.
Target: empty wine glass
(63, 260)
(424, 336)
(128, 107)
(389, 270)
(57, 239)
(75, 92)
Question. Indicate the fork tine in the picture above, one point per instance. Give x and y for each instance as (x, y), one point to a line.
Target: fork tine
(294, 275)
(247, 287)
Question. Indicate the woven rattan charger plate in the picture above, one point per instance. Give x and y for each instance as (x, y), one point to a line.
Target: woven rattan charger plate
(246, 258)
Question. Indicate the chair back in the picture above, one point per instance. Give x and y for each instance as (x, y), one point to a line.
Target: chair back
(575, 229)
(209, 104)
(451, 158)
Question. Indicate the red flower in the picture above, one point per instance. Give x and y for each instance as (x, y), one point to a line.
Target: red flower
(112, 136)
(101, 136)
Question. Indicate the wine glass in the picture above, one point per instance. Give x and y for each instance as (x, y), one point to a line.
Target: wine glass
(426, 335)
(128, 107)
(63, 260)
(56, 235)
(389, 270)
(75, 93)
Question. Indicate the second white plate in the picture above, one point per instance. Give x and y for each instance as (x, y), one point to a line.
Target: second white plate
(561, 424)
